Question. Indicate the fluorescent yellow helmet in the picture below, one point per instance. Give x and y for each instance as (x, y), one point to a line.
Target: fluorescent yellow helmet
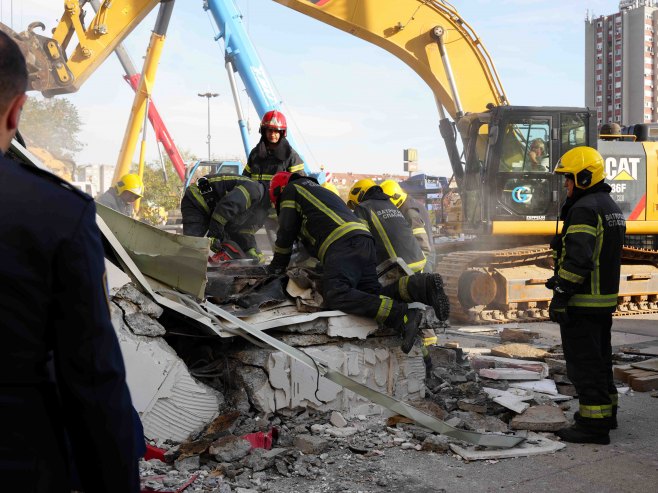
(357, 192)
(393, 188)
(585, 164)
(130, 183)
(330, 186)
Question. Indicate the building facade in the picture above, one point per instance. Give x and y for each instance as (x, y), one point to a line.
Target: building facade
(620, 64)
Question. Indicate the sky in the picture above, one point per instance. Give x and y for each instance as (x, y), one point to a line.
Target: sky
(351, 106)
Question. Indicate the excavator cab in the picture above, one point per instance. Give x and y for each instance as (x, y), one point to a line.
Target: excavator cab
(508, 185)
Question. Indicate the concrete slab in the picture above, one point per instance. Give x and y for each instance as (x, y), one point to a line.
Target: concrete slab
(534, 445)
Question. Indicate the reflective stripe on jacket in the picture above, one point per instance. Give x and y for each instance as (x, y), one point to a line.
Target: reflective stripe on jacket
(392, 233)
(589, 251)
(235, 197)
(316, 215)
(419, 220)
(264, 163)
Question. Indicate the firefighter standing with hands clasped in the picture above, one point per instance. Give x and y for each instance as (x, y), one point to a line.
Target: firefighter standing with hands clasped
(585, 286)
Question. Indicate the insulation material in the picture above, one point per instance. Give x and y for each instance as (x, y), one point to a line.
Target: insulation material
(171, 404)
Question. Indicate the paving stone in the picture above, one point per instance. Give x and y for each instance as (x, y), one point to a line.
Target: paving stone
(540, 418)
(517, 335)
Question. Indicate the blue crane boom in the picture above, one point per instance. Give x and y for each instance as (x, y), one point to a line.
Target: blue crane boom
(241, 57)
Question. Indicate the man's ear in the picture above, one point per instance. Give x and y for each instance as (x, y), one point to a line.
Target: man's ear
(14, 114)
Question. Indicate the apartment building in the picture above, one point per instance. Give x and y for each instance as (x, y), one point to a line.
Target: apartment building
(620, 63)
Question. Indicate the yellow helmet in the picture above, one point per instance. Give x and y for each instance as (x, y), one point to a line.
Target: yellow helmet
(585, 164)
(357, 192)
(130, 183)
(330, 186)
(393, 188)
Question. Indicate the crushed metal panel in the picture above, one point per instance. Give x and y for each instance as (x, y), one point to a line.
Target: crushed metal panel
(176, 260)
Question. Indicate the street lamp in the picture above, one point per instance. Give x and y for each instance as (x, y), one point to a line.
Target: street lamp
(208, 95)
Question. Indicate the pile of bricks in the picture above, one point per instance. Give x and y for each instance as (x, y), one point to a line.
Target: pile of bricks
(641, 377)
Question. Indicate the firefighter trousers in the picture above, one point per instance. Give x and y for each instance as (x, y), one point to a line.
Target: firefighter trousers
(588, 353)
(350, 284)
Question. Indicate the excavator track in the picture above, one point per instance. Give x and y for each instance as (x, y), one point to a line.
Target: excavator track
(503, 286)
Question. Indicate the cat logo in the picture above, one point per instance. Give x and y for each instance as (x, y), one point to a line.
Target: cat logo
(622, 168)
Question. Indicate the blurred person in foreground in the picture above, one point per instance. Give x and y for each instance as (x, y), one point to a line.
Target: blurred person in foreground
(62, 386)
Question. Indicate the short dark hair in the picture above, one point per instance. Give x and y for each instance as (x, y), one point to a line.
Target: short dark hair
(13, 71)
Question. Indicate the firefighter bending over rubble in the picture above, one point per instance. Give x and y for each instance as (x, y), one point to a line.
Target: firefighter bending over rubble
(229, 209)
(417, 217)
(346, 250)
(62, 377)
(392, 234)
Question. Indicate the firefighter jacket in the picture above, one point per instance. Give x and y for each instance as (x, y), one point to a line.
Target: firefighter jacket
(392, 233)
(314, 214)
(110, 198)
(225, 206)
(54, 307)
(419, 220)
(264, 162)
(587, 253)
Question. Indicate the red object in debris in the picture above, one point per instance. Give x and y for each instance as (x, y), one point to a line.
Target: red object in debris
(262, 440)
(153, 452)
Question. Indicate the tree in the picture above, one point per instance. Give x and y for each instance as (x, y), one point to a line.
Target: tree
(52, 124)
(160, 196)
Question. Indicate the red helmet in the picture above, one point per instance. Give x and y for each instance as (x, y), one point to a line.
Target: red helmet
(277, 184)
(274, 119)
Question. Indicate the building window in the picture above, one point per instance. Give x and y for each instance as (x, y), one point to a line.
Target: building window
(617, 63)
(598, 77)
(618, 73)
(599, 46)
(617, 85)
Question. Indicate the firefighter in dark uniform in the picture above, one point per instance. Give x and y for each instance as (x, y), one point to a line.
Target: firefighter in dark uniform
(346, 250)
(62, 377)
(226, 207)
(392, 233)
(272, 154)
(393, 237)
(417, 217)
(585, 287)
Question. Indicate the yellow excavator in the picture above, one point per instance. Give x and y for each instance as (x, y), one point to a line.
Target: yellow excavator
(508, 199)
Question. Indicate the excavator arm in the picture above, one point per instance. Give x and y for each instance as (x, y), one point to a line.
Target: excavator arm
(53, 68)
(429, 36)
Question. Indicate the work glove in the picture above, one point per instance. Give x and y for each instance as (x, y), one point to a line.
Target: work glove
(557, 310)
(551, 283)
(216, 244)
(255, 254)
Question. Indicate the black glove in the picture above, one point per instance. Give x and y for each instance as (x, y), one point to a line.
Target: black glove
(557, 310)
(551, 283)
(216, 244)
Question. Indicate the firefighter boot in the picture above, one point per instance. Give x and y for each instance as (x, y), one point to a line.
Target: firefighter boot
(613, 420)
(410, 328)
(426, 288)
(587, 430)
